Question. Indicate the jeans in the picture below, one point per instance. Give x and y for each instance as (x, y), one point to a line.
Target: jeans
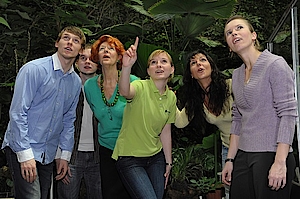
(143, 176)
(38, 189)
(84, 168)
(224, 156)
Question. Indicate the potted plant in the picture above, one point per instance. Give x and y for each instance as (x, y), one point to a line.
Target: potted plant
(210, 185)
(191, 162)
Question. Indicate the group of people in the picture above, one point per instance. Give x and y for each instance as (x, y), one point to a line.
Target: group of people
(114, 130)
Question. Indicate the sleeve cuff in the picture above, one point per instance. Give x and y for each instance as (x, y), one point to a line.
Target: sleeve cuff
(66, 155)
(25, 155)
(181, 119)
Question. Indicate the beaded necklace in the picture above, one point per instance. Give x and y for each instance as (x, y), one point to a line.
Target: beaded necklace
(103, 95)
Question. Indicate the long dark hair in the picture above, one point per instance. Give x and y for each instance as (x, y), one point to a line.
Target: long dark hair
(218, 92)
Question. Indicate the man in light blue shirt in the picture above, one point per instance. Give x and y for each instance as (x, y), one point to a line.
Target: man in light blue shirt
(42, 116)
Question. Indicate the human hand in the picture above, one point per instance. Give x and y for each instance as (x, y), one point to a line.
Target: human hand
(130, 55)
(277, 175)
(62, 168)
(226, 173)
(167, 174)
(28, 170)
(66, 179)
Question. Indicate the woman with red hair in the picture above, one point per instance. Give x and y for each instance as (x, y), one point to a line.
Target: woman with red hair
(102, 94)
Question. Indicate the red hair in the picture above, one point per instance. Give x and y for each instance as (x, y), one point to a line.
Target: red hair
(112, 41)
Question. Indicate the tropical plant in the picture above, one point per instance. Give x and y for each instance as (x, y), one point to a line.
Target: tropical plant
(195, 167)
(206, 185)
(191, 162)
(179, 23)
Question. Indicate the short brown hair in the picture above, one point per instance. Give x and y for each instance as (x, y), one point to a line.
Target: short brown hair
(74, 30)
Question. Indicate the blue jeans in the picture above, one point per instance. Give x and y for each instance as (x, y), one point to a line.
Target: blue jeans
(224, 153)
(224, 156)
(143, 177)
(39, 189)
(84, 168)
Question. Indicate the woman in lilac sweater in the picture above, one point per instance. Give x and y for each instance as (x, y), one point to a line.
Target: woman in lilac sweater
(259, 163)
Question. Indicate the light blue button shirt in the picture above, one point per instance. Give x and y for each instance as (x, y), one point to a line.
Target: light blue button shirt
(42, 111)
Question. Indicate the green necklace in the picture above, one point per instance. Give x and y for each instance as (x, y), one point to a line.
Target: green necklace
(103, 95)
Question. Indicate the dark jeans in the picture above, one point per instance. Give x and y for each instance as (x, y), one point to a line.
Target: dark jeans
(143, 176)
(250, 176)
(39, 189)
(84, 168)
(112, 186)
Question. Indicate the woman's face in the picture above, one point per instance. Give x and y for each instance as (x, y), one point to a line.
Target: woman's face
(238, 36)
(200, 68)
(108, 54)
(160, 67)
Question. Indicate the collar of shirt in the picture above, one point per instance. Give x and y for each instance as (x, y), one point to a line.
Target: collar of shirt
(155, 90)
(57, 64)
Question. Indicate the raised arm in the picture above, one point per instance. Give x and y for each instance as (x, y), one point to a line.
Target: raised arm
(128, 60)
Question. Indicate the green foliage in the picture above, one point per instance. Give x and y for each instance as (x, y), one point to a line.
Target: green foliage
(4, 22)
(192, 162)
(205, 184)
(6, 183)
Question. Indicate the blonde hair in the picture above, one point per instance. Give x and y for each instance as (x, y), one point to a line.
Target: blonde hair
(157, 52)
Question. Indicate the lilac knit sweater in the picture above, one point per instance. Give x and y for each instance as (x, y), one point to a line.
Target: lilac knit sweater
(265, 109)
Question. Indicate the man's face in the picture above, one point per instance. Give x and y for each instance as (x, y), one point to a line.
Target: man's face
(69, 45)
(84, 64)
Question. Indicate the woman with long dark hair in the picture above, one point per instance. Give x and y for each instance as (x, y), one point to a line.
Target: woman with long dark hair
(208, 97)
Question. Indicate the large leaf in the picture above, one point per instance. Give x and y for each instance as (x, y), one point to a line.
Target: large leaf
(24, 15)
(192, 25)
(138, 7)
(4, 22)
(210, 43)
(138, 4)
(214, 8)
(130, 29)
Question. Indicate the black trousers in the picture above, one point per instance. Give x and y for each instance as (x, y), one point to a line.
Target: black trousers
(112, 186)
(250, 176)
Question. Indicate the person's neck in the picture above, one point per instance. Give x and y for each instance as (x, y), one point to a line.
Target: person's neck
(110, 73)
(160, 85)
(205, 83)
(66, 64)
(85, 76)
(250, 57)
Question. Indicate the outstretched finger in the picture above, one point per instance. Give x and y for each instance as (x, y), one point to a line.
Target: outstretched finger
(136, 42)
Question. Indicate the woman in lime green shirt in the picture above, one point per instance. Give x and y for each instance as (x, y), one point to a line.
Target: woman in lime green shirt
(144, 147)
